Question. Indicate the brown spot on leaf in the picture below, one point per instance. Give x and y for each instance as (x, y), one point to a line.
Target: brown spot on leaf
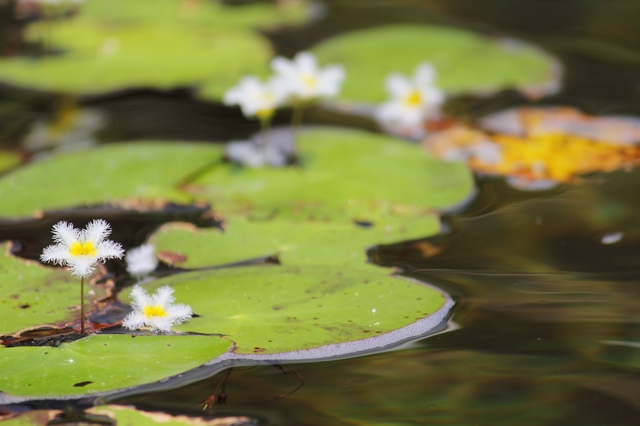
(171, 258)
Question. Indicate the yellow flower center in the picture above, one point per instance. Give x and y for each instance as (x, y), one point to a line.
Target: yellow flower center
(265, 114)
(414, 99)
(154, 311)
(82, 249)
(309, 81)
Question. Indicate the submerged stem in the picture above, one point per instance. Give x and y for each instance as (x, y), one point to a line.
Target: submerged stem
(82, 305)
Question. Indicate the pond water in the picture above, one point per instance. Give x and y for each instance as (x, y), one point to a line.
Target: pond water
(546, 326)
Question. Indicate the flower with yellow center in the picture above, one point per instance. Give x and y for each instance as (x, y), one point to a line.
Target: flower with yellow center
(81, 249)
(413, 101)
(156, 312)
(257, 99)
(305, 80)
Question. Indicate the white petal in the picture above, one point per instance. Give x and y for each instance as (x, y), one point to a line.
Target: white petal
(141, 260)
(425, 75)
(284, 67)
(58, 254)
(140, 298)
(64, 233)
(306, 63)
(330, 81)
(163, 297)
(109, 250)
(97, 231)
(159, 324)
(81, 266)
(134, 320)
(180, 313)
(398, 86)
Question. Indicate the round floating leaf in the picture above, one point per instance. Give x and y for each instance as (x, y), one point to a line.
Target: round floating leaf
(115, 44)
(33, 295)
(276, 309)
(465, 61)
(102, 363)
(295, 243)
(345, 175)
(105, 175)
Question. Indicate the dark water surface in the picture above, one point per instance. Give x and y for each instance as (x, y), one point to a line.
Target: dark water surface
(546, 326)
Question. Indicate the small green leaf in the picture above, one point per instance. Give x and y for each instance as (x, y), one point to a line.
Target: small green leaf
(466, 62)
(102, 363)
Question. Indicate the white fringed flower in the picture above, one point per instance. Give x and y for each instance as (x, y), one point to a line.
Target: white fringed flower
(80, 249)
(157, 312)
(257, 99)
(305, 80)
(412, 102)
(141, 261)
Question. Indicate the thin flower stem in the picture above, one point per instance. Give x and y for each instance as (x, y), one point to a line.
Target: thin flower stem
(296, 122)
(82, 305)
(264, 135)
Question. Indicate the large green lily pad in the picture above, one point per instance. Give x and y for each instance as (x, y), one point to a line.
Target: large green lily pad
(345, 176)
(466, 62)
(102, 363)
(33, 295)
(116, 44)
(295, 243)
(109, 174)
(269, 312)
(275, 309)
